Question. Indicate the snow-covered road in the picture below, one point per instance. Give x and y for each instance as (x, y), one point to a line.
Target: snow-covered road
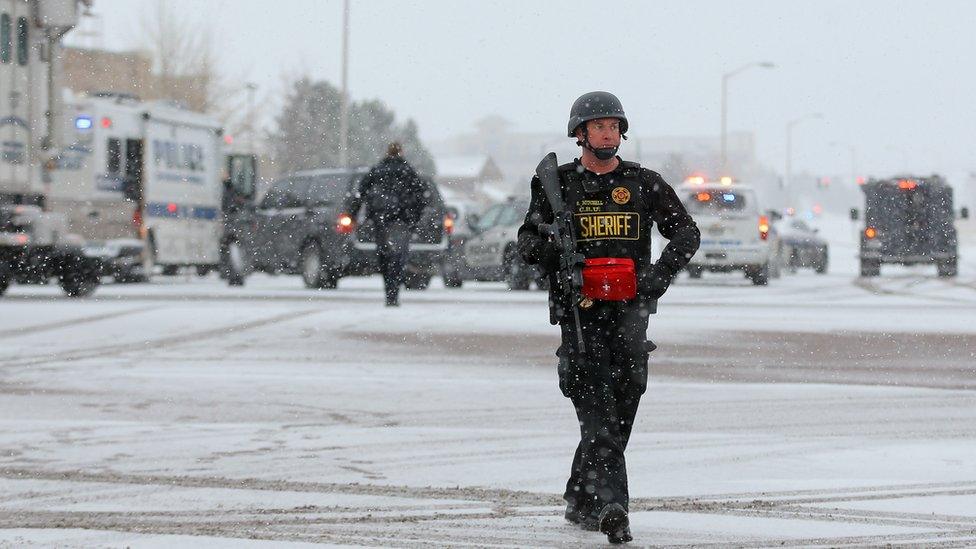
(820, 410)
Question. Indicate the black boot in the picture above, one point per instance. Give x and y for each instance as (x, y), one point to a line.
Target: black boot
(615, 524)
(572, 514)
(581, 516)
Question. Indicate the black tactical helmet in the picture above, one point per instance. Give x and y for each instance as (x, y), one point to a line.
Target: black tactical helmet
(593, 105)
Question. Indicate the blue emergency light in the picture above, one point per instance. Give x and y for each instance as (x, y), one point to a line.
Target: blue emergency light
(728, 197)
(83, 123)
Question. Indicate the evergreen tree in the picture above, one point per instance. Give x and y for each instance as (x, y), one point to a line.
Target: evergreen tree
(307, 133)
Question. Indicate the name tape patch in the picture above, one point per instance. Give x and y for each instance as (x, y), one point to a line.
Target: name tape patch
(610, 225)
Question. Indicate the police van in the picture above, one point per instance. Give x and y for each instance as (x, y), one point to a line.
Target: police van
(143, 181)
(735, 233)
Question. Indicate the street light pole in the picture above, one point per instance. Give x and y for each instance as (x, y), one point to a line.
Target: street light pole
(725, 101)
(789, 143)
(344, 99)
(251, 88)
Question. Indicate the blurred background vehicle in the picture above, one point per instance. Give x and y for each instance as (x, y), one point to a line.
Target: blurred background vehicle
(452, 262)
(909, 220)
(801, 247)
(142, 180)
(489, 251)
(735, 234)
(300, 227)
(35, 248)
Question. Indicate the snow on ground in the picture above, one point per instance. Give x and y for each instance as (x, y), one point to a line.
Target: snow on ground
(821, 410)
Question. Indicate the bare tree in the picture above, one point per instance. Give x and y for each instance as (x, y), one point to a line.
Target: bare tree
(184, 58)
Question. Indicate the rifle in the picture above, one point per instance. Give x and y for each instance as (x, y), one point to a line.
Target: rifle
(570, 272)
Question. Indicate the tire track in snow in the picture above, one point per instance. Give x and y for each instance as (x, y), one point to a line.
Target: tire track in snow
(30, 330)
(169, 341)
(884, 287)
(502, 496)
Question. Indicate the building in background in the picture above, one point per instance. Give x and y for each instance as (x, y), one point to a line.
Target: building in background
(93, 71)
(516, 154)
(471, 178)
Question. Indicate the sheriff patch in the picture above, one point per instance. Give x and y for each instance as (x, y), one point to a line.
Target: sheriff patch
(620, 195)
(609, 226)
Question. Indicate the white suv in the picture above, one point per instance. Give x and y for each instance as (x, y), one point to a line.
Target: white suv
(735, 234)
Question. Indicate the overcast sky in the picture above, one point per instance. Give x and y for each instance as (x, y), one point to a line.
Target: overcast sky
(894, 79)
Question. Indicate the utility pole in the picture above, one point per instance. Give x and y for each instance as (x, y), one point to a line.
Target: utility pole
(344, 100)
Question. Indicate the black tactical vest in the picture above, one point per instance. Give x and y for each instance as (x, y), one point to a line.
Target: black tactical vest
(610, 213)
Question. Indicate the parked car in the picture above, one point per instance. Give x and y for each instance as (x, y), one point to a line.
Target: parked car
(300, 227)
(489, 252)
(802, 247)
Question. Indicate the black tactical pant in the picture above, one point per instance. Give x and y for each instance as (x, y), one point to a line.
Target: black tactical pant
(392, 245)
(605, 386)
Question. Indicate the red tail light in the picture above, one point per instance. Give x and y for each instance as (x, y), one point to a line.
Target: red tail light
(138, 224)
(763, 227)
(449, 224)
(345, 224)
(870, 232)
(137, 219)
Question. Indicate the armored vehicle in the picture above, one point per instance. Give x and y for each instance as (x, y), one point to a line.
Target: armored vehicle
(908, 220)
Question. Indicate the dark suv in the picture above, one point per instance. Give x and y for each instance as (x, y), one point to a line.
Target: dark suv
(300, 227)
(908, 220)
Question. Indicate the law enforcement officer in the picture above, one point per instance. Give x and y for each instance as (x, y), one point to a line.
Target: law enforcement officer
(614, 204)
(395, 198)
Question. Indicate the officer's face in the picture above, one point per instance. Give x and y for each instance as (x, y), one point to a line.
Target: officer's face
(603, 132)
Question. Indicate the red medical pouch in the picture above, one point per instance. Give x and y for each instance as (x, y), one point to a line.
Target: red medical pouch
(610, 279)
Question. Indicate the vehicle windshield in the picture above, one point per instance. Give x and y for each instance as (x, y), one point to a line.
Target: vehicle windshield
(512, 215)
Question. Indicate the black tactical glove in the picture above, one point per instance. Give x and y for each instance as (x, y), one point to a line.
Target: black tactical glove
(654, 281)
(547, 253)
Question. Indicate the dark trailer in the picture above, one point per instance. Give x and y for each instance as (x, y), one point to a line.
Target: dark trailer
(908, 220)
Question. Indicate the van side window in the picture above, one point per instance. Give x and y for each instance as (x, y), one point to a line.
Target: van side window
(22, 41)
(114, 156)
(4, 38)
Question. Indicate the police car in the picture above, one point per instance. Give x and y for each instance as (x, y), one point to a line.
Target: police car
(735, 233)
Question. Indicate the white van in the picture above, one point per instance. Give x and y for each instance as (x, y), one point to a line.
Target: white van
(142, 178)
(735, 234)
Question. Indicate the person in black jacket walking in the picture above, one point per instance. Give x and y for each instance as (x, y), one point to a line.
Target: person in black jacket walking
(614, 204)
(395, 198)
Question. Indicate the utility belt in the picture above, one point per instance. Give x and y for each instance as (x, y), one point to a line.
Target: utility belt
(609, 279)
